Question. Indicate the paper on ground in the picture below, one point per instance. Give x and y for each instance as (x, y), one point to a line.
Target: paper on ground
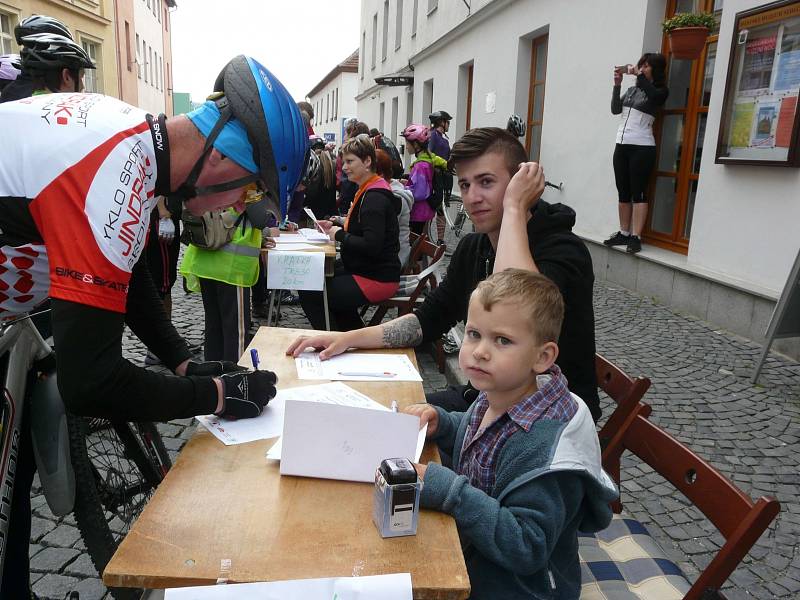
(354, 366)
(387, 587)
(274, 453)
(343, 442)
(270, 423)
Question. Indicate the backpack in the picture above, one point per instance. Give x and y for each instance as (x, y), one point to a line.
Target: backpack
(211, 230)
(442, 183)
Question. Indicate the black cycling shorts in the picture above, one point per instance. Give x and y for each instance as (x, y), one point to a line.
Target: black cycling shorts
(632, 167)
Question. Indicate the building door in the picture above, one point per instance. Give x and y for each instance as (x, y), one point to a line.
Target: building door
(535, 120)
(680, 130)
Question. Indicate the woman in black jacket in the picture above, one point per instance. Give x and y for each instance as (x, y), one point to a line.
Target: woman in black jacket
(369, 270)
(635, 152)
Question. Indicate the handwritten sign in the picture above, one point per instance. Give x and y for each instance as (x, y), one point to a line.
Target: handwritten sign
(295, 270)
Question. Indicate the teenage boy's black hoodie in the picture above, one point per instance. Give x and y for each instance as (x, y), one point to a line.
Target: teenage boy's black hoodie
(560, 255)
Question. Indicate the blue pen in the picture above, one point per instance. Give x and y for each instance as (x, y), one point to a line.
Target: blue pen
(254, 357)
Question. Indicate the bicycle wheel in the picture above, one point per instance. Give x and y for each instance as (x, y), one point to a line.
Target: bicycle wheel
(117, 468)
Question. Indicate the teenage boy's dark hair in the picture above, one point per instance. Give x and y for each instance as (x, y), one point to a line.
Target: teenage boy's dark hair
(480, 141)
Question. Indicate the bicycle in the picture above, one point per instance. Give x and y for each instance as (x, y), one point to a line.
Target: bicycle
(103, 472)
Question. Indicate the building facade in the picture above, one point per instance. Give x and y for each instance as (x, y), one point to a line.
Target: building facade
(91, 23)
(720, 240)
(129, 40)
(333, 99)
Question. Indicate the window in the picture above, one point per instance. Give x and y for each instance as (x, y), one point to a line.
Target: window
(138, 59)
(361, 55)
(166, 19)
(414, 18)
(162, 73)
(327, 107)
(385, 41)
(533, 137)
(128, 57)
(374, 38)
(432, 6)
(144, 60)
(398, 26)
(169, 85)
(6, 36)
(92, 78)
(427, 97)
(336, 103)
(760, 118)
(381, 116)
(148, 4)
(150, 65)
(393, 127)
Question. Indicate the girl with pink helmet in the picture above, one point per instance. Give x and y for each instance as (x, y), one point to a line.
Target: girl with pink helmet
(420, 179)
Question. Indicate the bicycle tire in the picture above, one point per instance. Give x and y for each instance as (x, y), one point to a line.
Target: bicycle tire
(92, 491)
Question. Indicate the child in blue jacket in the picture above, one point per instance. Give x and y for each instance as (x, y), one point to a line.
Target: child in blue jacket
(527, 474)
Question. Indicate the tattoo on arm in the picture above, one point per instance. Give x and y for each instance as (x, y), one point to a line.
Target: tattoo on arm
(402, 333)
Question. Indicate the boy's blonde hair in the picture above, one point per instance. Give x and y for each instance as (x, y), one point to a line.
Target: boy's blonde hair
(537, 296)
(362, 147)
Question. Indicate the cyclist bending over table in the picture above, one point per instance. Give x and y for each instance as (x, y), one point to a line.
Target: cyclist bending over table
(79, 174)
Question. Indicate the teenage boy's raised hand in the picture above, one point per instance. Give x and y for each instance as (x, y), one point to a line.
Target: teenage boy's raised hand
(525, 188)
(426, 414)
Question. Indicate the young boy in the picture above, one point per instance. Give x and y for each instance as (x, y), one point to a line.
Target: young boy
(527, 473)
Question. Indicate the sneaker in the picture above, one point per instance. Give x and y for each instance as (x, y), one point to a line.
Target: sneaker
(289, 299)
(634, 245)
(151, 359)
(618, 240)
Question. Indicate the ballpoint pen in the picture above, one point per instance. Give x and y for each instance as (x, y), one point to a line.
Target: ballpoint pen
(254, 357)
(367, 374)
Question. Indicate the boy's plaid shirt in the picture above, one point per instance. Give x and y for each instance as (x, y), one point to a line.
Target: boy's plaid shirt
(481, 448)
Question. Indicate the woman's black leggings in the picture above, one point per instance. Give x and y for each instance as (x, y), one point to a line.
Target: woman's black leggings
(344, 300)
(632, 168)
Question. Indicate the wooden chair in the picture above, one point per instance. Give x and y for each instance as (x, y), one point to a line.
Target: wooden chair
(740, 520)
(412, 287)
(622, 389)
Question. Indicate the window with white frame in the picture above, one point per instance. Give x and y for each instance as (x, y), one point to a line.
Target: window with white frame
(361, 56)
(150, 64)
(6, 34)
(385, 40)
(93, 78)
(414, 18)
(398, 26)
(374, 38)
(138, 59)
(144, 61)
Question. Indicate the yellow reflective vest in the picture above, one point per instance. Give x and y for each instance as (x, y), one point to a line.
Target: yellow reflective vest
(235, 263)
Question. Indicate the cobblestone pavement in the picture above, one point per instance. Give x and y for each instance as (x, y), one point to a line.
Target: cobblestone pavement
(701, 394)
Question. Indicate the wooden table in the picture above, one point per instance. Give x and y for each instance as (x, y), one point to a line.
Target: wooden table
(330, 259)
(227, 502)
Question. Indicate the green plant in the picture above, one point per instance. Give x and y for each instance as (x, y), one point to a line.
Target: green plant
(689, 20)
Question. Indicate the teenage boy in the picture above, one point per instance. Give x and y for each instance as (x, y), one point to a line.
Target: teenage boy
(526, 460)
(514, 228)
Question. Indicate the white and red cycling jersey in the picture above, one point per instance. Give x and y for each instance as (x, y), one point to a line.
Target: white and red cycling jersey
(75, 199)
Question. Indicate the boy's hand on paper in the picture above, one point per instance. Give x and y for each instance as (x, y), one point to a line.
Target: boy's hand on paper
(525, 188)
(325, 225)
(420, 470)
(330, 344)
(426, 414)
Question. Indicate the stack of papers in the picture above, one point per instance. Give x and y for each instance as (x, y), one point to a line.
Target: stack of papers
(386, 587)
(354, 366)
(270, 423)
(312, 235)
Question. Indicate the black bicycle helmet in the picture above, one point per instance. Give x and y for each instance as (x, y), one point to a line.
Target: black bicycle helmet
(439, 116)
(40, 24)
(516, 126)
(49, 52)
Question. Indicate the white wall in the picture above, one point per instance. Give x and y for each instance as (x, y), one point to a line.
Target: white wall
(745, 217)
(147, 26)
(347, 84)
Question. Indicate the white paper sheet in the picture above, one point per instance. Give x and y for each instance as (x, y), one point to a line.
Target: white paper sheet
(289, 238)
(313, 235)
(355, 366)
(270, 423)
(296, 270)
(274, 453)
(343, 442)
(386, 587)
(294, 246)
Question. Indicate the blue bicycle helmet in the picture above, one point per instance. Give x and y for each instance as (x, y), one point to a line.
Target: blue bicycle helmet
(274, 127)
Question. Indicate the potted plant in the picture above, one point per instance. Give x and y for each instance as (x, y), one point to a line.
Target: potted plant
(687, 33)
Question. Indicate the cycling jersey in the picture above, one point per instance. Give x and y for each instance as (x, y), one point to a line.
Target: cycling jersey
(76, 199)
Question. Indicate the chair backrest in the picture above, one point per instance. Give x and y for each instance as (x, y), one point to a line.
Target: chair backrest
(414, 254)
(622, 389)
(740, 520)
(414, 285)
